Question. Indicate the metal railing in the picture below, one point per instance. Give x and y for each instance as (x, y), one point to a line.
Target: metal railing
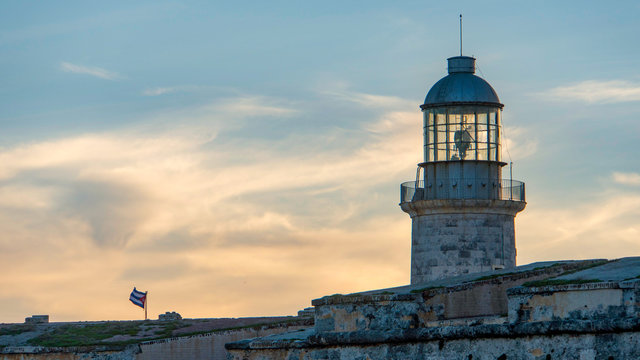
(463, 188)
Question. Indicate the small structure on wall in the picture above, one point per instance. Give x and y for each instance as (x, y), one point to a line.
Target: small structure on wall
(37, 319)
(169, 316)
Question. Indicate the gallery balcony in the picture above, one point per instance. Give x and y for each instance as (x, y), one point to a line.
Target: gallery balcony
(462, 188)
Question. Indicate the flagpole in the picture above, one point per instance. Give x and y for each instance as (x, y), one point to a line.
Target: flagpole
(146, 302)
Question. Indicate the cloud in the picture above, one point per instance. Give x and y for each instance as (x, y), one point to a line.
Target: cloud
(605, 227)
(595, 91)
(197, 199)
(340, 92)
(518, 143)
(88, 70)
(371, 100)
(111, 210)
(157, 91)
(628, 178)
(252, 106)
(221, 212)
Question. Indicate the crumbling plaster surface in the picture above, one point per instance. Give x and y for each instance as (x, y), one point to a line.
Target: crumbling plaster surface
(579, 340)
(600, 300)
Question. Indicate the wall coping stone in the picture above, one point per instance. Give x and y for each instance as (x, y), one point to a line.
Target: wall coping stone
(523, 290)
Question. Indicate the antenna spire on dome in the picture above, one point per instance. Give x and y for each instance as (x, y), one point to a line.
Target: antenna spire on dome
(460, 34)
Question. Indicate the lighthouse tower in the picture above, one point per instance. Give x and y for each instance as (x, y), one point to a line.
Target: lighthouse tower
(462, 211)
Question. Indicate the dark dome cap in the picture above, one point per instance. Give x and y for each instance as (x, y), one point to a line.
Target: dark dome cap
(461, 86)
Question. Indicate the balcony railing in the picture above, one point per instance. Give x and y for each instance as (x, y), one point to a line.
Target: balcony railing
(464, 188)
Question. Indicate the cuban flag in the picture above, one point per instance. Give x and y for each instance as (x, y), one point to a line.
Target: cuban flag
(138, 297)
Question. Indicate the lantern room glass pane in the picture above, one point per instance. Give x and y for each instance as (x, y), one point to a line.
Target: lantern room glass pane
(482, 136)
(461, 137)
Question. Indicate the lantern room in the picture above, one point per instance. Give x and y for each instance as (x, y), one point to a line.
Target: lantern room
(462, 116)
(462, 140)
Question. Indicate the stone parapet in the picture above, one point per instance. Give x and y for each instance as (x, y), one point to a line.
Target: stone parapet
(597, 300)
(478, 300)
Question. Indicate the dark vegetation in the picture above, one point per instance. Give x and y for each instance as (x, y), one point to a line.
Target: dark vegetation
(494, 276)
(91, 334)
(416, 291)
(597, 263)
(551, 282)
(85, 334)
(16, 329)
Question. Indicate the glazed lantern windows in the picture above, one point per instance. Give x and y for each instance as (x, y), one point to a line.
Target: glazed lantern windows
(462, 133)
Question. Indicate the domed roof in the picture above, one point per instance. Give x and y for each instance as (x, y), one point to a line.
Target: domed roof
(461, 86)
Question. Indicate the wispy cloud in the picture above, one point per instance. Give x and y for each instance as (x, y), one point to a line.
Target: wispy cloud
(628, 178)
(606, 227)
(157, 91)
(252, 106)
(89, 70)
(518, 143)
(595, 91)
(371, 100)
(340, 90)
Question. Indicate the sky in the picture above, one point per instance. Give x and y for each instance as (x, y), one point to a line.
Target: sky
(242, 158)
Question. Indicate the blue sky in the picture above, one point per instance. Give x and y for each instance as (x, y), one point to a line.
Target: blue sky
(240, 160)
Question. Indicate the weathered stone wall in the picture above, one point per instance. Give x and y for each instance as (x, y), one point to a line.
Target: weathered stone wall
(455, 237)
(610, 346)
(41, 353)
(209, 346)
(571, 339)
(554, 317)
(206, 346)
(481, 297)
(612, 300)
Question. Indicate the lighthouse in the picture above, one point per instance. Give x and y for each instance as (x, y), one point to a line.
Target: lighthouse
(462, 210)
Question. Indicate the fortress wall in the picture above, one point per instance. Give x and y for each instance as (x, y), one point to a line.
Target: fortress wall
(484, 297)
(208, 346)
(37, 353)
(607, 346)
(205, 346)
(599, 300)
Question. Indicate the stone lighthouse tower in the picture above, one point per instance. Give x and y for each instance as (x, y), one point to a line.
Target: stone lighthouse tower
(462, 211)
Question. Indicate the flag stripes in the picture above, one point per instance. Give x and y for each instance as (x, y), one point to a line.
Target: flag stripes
(138, 297)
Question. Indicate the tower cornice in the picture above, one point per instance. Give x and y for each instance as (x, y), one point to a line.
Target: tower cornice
(462, 206)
